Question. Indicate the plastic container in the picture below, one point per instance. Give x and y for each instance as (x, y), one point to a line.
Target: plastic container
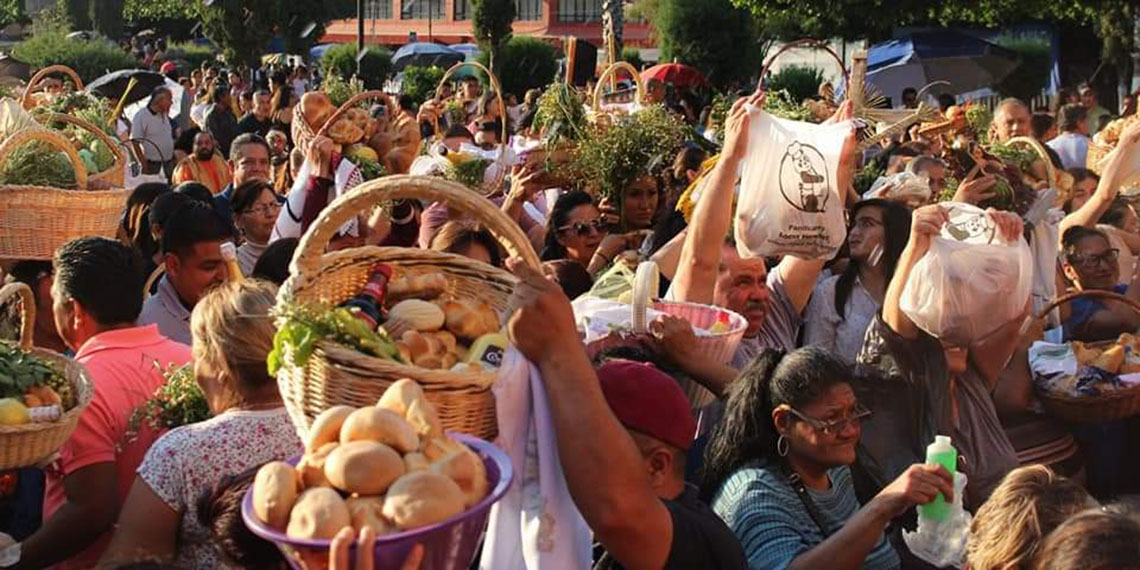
(448, 545)
(941, 452)
(229, 254)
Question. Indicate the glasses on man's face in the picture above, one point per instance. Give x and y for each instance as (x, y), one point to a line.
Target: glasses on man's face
(583, 228)
(859, 414)
(266, 209)
(1108, 258)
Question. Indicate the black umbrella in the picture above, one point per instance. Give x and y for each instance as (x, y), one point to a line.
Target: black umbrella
(113, 85)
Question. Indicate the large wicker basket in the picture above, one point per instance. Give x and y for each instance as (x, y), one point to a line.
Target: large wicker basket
(30, 444)
(501, 166)
(1108, 405)
(612, 70)
(115, 175)
(28, 102)
(335, 374)
(303, 133)
(36, 220)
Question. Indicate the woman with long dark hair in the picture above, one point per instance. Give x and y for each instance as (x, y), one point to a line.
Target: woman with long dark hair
(843, 306)
(777, 468)
(575, 229)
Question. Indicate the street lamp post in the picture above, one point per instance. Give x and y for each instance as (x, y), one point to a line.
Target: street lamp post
(359, 36)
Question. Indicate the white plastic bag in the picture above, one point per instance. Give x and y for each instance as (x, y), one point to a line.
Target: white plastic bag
(943, 543)
(905, 186)
(790, 201)
(971, 281)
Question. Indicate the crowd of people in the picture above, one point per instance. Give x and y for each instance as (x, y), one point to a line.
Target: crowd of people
(811, 454)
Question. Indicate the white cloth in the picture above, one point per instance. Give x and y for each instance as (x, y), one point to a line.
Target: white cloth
(536, 525)
(288, 222)
(1073, 148)
(790, 200)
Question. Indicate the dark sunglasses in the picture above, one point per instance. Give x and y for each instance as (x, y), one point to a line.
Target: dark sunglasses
(584, 228)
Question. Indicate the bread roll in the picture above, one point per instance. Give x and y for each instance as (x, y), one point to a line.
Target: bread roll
(399, 396)
(438, 448)
(326, 427)
(368, 512)
(425, 286)
(424, 419)
(316, 109)
(415, 314)
(468, 471)
(275, 489)
(382, 426)
(312, 466)
(422, 498)
(363, 467)
(469, 321)
(415, 461)
(320, 513)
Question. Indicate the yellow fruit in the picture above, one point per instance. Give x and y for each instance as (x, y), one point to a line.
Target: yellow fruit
(363, 152)
(12, 412)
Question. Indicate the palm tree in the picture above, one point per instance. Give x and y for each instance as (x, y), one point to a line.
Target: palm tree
(612, 24)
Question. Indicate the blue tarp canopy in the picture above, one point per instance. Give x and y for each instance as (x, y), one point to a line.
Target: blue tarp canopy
(913, 60)
(425, 54)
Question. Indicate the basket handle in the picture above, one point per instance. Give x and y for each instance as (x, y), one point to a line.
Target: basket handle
(612, 69)
(1108, 295)
(307, 261)
(495, 85)
(352, 101)
(1050, 170)
(25, 101)
(28, 306)
(646, 283)
(806, 42)
(54, 139)
(120, 159)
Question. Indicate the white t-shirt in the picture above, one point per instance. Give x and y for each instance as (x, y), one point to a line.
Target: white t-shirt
(1073, 148)
(190, 460)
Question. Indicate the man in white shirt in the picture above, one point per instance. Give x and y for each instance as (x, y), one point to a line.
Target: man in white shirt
(152, 124)
(1072, 145)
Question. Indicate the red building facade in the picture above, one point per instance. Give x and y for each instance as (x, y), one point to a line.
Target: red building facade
(392, 22)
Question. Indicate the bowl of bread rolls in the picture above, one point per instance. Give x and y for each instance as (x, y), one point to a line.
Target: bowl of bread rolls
(389, 467)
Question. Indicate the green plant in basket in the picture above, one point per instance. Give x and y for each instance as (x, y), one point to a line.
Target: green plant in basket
(468, 171)
(38, 164)
(781, 104)
(301, 327)
(21, 370)
(560, 115)
(340, 90)
(178, 402)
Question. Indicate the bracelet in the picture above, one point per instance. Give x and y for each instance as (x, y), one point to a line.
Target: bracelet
(599, 253)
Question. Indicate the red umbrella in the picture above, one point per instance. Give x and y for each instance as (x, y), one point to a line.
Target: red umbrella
(679, 74)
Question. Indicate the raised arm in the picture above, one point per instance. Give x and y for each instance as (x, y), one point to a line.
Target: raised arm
(1108, 187)
(603, 466)
(712, 216)
(925, 223)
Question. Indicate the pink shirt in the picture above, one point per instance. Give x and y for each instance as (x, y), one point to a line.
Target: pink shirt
(126, 367)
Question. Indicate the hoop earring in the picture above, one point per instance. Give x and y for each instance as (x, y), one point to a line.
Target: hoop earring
(782, 446)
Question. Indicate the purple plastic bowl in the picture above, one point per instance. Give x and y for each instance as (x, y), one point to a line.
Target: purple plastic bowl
(448, 545)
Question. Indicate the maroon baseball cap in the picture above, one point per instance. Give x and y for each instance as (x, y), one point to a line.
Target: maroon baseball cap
(648, 401)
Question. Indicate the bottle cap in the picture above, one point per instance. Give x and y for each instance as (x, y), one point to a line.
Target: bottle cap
(942, 440)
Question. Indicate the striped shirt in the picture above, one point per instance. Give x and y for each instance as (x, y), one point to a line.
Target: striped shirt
(774, 527)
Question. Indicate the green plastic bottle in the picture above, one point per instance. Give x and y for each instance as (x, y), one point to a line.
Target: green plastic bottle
(939, 453)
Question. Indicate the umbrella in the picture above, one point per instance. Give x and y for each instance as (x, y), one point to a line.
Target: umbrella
(425, 54)
(469, 51)
(12, 67)
(115, 83)
(916, 59)
(84, 36)
(318, 51)
(176, 93)
(679, 74)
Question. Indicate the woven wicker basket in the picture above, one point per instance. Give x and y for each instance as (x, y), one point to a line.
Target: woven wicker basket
(303, 134)
(605, 76)
(29, 444)
(113, 176)
(335, 374)
(505, 136)
(1109, 405)
(36, 220)
(26, 100)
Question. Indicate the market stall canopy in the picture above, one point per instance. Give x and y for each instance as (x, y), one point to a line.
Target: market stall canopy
(425, 54)
(680, 75)
(114, 84)
(918, 58)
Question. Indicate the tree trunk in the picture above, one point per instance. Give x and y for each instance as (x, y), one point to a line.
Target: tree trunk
(109, 18)
(612, 28)
(79, 13)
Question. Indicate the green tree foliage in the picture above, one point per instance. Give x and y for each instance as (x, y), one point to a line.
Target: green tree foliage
(1032, 74)
(150, 10)
(241, 28)
(492, 21)
(193, 54)
(683, 29)
(632, 56)
(525, 63)
(419, 83)
(11, 12)
(49, 45)
(798, 81)
(375, 67)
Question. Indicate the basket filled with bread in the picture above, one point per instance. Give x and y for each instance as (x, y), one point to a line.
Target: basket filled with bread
(352, 322)
(362, 138)
(388, 466)
(1085, 382)
(41, 393)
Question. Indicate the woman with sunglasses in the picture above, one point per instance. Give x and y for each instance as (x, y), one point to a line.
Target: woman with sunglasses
(843, 305)
(577, 230)
(777, 468)
(255, 208)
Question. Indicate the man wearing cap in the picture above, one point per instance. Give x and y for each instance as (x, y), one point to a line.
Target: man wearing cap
(622, 435)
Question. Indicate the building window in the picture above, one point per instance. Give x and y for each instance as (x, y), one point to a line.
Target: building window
(580, 10)
(524, 9)
(378, 10)
(528, 9)
(421, 10)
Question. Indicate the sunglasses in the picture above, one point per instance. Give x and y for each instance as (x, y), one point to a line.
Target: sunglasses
(584, 228)
(1108, 258)
(829, 427)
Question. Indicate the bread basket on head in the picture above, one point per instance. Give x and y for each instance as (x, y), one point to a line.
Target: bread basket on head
(336, 374)
(24, 445)
(304, 133)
